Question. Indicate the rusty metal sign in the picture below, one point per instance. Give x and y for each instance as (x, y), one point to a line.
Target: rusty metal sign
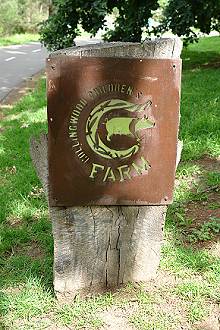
(113, 126)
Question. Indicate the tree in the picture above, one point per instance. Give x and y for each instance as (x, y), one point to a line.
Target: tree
(183, 17)
(60, 29)
(132, 17)
(187, 18)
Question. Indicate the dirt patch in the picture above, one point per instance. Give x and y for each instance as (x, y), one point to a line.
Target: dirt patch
(214, 249)
(163, 279)
(200, 224)
(14, 221)
(209, 164)
(211, 323)
(117, 318)
(201, 212)
(205, 221)
(34, 251)
(160, 308)
(205, 214)
(31, 250)
(11, 290)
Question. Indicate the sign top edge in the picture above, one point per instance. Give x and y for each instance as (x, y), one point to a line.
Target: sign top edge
(169, 48)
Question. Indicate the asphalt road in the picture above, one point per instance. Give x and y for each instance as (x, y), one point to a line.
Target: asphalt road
(18, 63)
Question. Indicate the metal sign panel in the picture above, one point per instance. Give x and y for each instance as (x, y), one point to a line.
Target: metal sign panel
(113, 126)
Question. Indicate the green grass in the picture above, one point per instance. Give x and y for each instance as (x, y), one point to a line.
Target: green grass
(191, 291)
(17, 39)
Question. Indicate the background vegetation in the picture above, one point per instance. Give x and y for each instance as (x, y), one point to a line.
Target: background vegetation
(132, 20)
(22, 16)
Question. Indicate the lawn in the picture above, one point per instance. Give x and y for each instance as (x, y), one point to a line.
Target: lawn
(186, 293)
(18, 39)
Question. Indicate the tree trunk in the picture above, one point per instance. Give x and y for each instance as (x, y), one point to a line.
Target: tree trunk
(100, 247)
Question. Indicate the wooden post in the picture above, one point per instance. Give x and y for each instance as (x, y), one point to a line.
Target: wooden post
(101, 247)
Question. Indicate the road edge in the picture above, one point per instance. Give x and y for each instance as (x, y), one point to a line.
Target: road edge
(22, 89)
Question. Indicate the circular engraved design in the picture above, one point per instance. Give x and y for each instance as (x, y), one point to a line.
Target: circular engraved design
(129, 124)
(108, 138)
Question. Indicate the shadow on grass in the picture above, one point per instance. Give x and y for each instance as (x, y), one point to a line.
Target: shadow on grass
(204, 54)
(195, 59)
(26, 246)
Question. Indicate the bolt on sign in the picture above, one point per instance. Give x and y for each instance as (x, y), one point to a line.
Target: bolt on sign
(113, 127)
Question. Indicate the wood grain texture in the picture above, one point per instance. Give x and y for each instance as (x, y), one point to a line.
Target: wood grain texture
(158, 48)
(99, 247)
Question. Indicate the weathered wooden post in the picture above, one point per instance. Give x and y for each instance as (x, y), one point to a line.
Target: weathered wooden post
(113, 116)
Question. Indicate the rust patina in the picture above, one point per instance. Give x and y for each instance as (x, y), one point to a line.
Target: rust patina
(113, 127)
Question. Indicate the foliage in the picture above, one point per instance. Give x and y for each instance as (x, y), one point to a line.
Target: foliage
(132, 17)
(60, 30)
(19, 16)
(187, 18)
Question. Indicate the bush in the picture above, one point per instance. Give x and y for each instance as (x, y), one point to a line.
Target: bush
(20, 16)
